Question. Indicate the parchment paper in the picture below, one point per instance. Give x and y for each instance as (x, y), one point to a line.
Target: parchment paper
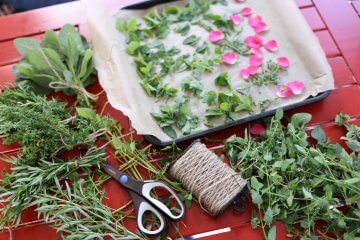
(118, 76)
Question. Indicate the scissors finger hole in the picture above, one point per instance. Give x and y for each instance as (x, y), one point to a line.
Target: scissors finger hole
(150, 221)
(163, 195)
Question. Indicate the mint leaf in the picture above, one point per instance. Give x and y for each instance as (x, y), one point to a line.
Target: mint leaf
(223, 80)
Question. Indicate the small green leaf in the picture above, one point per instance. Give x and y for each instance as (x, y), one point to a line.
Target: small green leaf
(279, 114)
(223, 80)
(202, 48)
(307, 194)
(272, 233)
(319, 135)
(191, 40)
(24, 45)
(268, 217)
(300, 120)
(353, 145)
(256, 198)
(255, 184)
(86, 113)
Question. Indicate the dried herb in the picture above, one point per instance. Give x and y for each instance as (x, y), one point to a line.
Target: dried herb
(191, 40)
(194, 86)
(302, 184)
(61, 63)
(270, 74)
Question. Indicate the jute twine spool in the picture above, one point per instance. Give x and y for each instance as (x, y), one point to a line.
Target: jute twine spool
(211, 181)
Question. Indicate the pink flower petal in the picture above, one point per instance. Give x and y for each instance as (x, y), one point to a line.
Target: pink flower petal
(216, 36)
(283, 62)
(271, 46)
(256, 61)
(257, 129)
(246, 11)
(254, 41)
(283, 91)
(257, 51)
(261, 27)
(296, 87)
(229, 58)
(245, 73)
(253, 70)
(254, 20)
(235, 19)
(240, 1)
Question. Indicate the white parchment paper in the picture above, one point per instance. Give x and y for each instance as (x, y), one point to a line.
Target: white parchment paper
(118, 76)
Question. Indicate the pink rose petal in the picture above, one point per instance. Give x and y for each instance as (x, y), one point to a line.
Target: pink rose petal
(253, 70)
(261, 27)
(245, 73)
(229, 58)
(283, 62)
(256, 60)
(240, 1)
(283, 91)
(254, 20)
(257, 129)
(216, 36)
(254, 41)
(257, 51)
(296, 87)
(271, 46)
(235, 19)
(246, 11)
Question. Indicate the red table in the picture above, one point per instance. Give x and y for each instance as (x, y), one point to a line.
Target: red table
(335, 22)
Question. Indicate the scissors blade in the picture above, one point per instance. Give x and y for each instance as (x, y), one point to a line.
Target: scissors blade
(112, 171)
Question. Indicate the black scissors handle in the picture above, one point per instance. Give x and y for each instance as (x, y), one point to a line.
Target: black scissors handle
(143, 201)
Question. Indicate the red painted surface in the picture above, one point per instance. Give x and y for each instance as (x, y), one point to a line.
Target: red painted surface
(337, 26)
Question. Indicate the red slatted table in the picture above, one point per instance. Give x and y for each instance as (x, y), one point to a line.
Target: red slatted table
(337, 25)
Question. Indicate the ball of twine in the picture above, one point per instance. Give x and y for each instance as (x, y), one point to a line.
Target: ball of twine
(211, 181)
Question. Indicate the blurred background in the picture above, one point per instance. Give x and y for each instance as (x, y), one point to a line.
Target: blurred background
(12, 6)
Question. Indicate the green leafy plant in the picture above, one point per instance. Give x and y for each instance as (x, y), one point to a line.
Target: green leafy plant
(302, 184)
(223, 80)
(178, 115)
(230, 104)
(43, 128)
(61, 63)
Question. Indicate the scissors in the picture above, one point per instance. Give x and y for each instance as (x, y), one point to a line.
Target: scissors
(140, 192)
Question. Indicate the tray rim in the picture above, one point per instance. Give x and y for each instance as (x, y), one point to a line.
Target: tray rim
(198, 135)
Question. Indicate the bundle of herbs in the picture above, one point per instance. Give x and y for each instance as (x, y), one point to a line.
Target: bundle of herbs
(44, 129)
(61, 63)
(311, 187)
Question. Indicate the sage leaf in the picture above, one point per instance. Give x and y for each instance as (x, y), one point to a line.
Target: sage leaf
(24, 45)
(191, 40)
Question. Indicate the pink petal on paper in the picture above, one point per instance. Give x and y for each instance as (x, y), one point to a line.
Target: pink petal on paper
(246, 11)
(283, 91)
(216, 36)
(283, 62)
(296, 87)
(254, 41)
(235, 19)
(253, 70)
(245, 73)
(271, 46)
(256, 61)
(254, 20)
(257, 129)
(261, 27)
(240, 1)
(229, 58)
(257, 51)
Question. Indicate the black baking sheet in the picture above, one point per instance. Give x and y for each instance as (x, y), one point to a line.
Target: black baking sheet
(154, 140)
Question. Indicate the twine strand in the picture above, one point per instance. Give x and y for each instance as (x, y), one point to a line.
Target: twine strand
(210, 180)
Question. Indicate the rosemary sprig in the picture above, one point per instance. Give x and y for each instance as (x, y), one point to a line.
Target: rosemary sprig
(78, 212)
(26, 181)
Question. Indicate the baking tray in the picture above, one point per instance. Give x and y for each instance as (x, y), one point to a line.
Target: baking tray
(154, 140)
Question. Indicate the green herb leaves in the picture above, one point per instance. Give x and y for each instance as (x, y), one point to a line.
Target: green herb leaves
(191, 40)
(302, 184)
(179, 115)
(63, 63)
